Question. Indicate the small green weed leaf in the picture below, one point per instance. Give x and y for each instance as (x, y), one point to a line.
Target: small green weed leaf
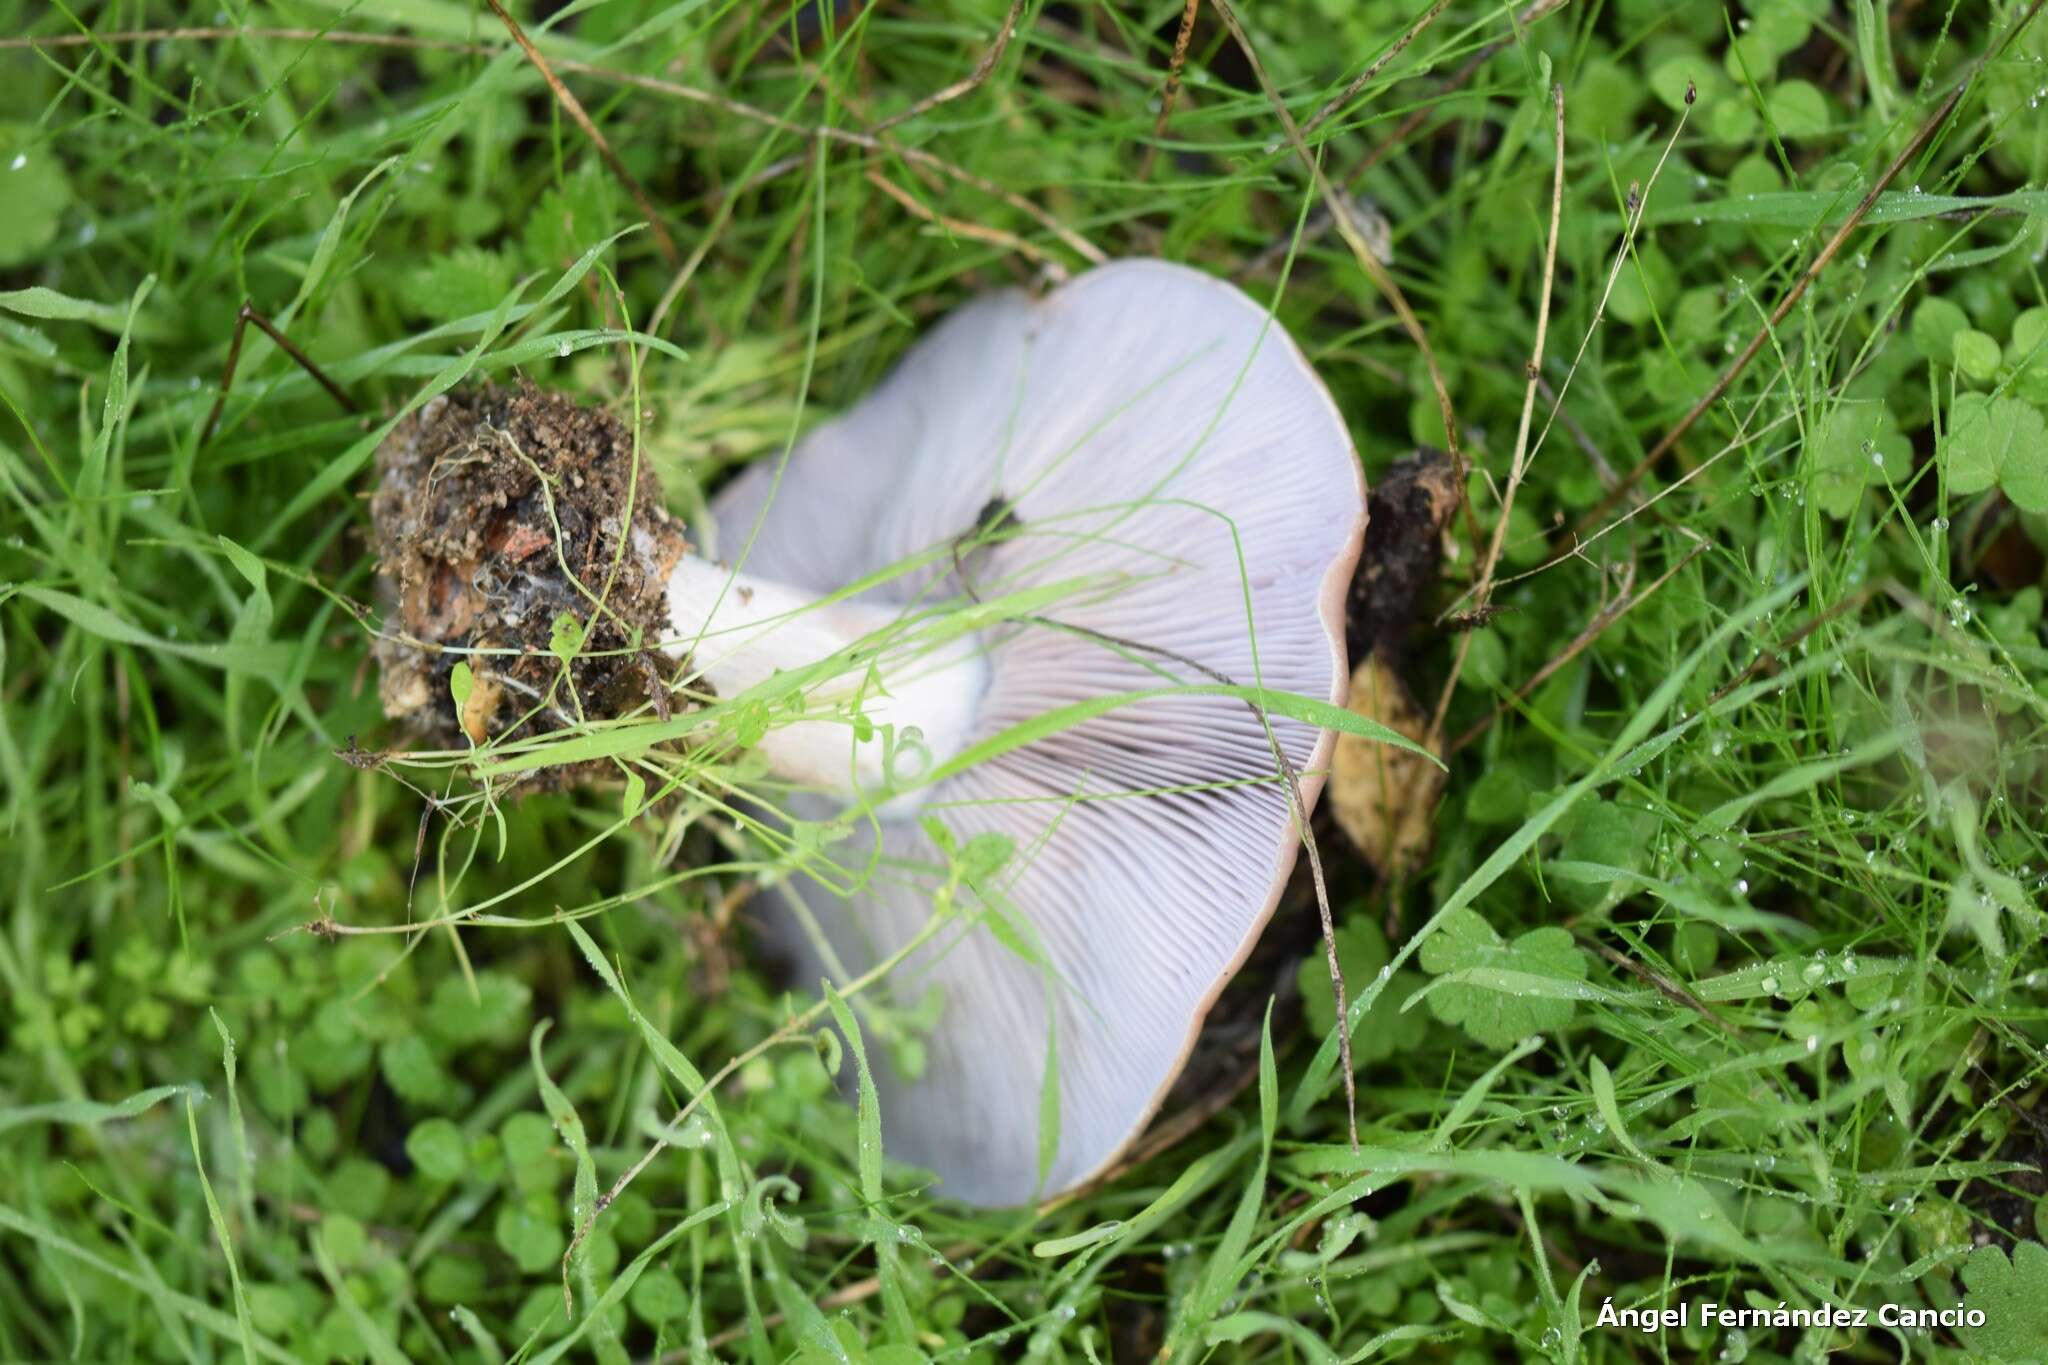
(1049, 1098)
(438, 1150)
(1976, 354)
(496, 1012)
(1496, 1018)
(466, 280)
(1243, 1326)
(634, 797)
(1847, 445)
(344, 1239)
(583, 1198)
(1610, 1108)
(1798, 109)
(1382, 1031)
(565, 640)
(529, 1141)
(1976, 911)
(528, 1232)
(36, 191)
(868, 1150)
(2013, 1296)
(1935, 325)
(2026, 352)
(2025, 475)
(38, 301)
(1079, 1241)
(265, 660)
(1984, 435)
(461, 682)
(412, 1069)
(89, 1112)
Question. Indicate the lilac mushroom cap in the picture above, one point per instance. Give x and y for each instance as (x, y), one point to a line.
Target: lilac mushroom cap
(1161, 444)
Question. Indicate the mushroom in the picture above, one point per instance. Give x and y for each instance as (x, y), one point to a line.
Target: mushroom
(1150, 461)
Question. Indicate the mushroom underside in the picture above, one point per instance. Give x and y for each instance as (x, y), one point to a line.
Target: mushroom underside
(1184, 497)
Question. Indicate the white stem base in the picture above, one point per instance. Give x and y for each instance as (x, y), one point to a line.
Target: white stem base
(742, 631)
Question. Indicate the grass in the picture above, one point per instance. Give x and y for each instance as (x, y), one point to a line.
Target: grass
(1728, 952)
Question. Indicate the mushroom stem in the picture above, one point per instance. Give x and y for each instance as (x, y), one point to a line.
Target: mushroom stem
(921, 701)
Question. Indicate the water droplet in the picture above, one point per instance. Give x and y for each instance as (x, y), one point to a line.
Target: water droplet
(1812, 1043)
(1770, 985)
(20, 160)
(910, 757)
(1938, 525)
(563, 349)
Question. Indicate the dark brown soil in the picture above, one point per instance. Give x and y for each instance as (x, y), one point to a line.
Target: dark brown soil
(498, 515)
(1407, 513)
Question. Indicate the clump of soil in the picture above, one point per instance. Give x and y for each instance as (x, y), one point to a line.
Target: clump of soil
(502, 521)
(1385, 798)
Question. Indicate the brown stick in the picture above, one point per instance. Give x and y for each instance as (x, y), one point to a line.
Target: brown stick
(1601, 623)
(1827, 254)
(1365, 77)
(970, 82)
(243, 318)
(1174, 66)
(574, 108)
(1518, 466)
(1347, 228)
(1320, 224)
(976, 231)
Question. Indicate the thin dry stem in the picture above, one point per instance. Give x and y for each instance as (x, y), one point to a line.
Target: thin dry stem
(1638, 197)
(1518, 467)
(969, 83)
(1602, 622)
(1347, 228)
(1174, 66)
(1367, 76)
(573, 107)
(959, 228)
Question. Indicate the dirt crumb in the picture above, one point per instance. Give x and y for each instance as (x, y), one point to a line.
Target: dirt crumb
(498, 523)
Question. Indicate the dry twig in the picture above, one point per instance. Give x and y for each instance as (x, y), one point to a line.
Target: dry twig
(1367, 76)
(1518, 466)
(966, 84)
(1320, 222)
(1347, 227)
(573, 107)
(959, 228)
(1174, 66)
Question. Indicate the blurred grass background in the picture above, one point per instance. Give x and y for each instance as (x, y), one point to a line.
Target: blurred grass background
(1744, 826)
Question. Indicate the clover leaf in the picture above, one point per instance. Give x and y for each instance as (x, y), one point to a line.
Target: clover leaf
(36, 192)
(1382, 1030)
(1847, 445)
(2013, 1296)
(2001, 441)
(1935, 325)
(1498, 995)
